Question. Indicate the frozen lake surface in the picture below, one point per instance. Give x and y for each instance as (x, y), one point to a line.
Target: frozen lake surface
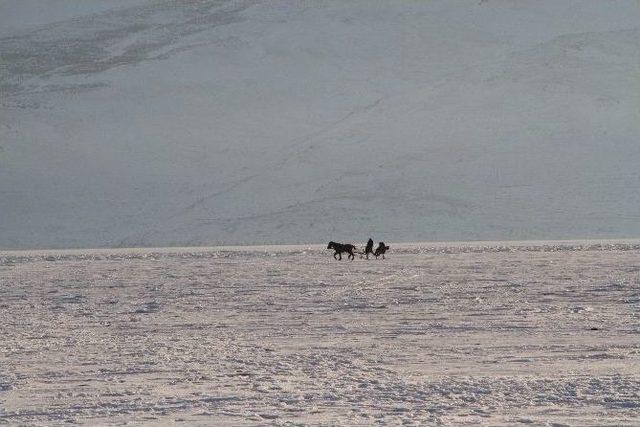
(164, 122)
(533, 332)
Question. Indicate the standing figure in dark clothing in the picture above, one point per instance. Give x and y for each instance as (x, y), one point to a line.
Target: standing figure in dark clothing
(369, 249)
(380, 250)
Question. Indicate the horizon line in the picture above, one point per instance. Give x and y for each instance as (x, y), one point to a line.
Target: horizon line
(238, 247)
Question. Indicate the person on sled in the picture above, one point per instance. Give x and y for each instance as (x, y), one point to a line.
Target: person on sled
(380, 250)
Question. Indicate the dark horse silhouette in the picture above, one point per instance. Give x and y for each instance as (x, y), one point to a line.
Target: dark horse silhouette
(380, 250)
(341, 248)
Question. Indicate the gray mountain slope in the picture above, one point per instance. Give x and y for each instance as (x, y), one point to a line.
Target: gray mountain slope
(180, 123)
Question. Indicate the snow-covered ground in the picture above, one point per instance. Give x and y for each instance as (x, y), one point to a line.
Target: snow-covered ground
(496, 333)
(163, 122)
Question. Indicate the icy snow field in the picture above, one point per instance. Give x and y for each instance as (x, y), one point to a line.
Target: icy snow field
(188, 123)
(453, 334)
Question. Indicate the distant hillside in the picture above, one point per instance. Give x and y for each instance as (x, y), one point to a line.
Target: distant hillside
(209, 122)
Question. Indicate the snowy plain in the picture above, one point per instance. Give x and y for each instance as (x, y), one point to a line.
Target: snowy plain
(542, 333)
(173, 123)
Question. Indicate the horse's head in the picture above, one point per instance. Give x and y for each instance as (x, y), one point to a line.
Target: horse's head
(331, 245)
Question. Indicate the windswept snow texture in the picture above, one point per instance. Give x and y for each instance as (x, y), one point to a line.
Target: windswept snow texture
(164, 123)
(500, 334)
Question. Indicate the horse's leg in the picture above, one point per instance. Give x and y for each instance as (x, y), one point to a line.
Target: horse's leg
(334, 256)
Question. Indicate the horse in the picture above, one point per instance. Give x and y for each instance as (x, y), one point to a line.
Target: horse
(341, 248)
